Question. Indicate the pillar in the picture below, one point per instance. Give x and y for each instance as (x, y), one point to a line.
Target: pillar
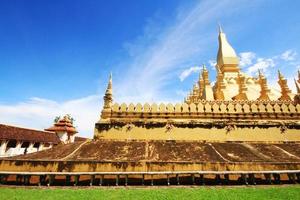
(218, 179)
(101, 180)
(42, 179)
(76, 180)
(16, 151)
(277, 178)
(244, 179)
(177, 179)
(152, 180)
(27, 179)
(143, 179)
(41, 147)
(30, 147)
(268, 178)
(252, 179)
(92, 180)
(117, 180)
(202, 179)
(292, 177)
(50, 180)
(19, 179)
(68, 180)
(3, 147)
(226, 177)
(298, 177)
(193, 179)
(168, 179)
(126, 179)
(3, 178)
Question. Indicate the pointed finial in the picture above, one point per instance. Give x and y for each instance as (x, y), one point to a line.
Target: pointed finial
(203, 67)
(259, 73)
(220, 28)
(280, 76)
(108, 93)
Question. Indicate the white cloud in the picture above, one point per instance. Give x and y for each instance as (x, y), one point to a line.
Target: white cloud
(288, 55)
(212, 64)
(176, 45)
(151, 65)
(188, 72)
(39, 113)
(246, 58)
(262, 64)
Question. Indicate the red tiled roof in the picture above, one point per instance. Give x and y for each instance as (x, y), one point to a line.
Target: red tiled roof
(8, 132)
(63, 125)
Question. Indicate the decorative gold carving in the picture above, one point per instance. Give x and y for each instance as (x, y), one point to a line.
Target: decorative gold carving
(285, 91)
(264, 90)
(220, 85)
(242, 89)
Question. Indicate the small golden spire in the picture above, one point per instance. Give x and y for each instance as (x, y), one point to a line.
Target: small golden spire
(242, 88)
(285, 91)
(108, 99)
(264, 92)
(205, 75)
(201, 84)
(219, 86)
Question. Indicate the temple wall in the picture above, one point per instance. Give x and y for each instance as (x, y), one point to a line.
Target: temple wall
(82, 166)
(272, 134)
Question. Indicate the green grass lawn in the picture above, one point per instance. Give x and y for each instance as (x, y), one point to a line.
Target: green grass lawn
(211, 193)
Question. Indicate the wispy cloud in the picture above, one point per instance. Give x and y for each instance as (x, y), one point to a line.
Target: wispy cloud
(262, 64)
(40, 113)
(188, 72)
(177, 45)
(212, 64)
(246, 58)
(288, 55)
(287, 62)
(156, 58)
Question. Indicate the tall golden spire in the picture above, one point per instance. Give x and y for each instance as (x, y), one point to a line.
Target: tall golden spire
(299, 76)
(220, 85)
(108, 98)
(264, 92)
(242, 88)
(227, 59)
(285, 91)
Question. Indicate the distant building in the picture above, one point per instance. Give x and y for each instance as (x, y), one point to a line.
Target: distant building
(64, 129)
(16, 140)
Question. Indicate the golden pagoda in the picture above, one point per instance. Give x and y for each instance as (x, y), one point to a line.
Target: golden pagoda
(256, 111)
(239, 129)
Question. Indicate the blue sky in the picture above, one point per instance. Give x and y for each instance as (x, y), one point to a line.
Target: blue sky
(55, 56)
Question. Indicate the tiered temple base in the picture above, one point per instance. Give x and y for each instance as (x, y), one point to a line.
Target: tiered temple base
(111, 162)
